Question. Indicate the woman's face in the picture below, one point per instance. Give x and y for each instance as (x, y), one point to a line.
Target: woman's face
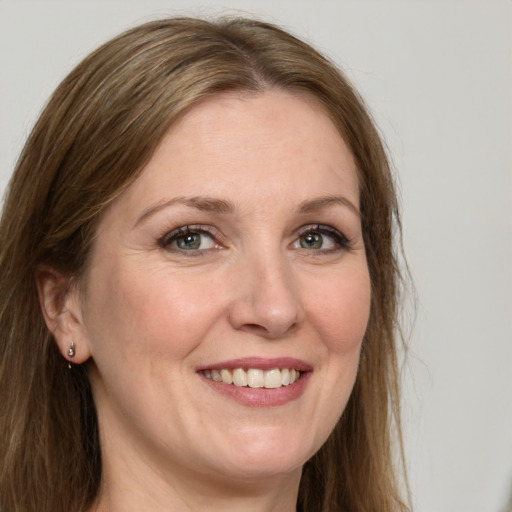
(236, 255)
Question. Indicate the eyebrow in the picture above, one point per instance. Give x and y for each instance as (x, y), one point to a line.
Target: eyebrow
(320, 203)
(205, 204)
(223, 206)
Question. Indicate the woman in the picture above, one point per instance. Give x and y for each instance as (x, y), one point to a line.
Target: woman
(199, 285)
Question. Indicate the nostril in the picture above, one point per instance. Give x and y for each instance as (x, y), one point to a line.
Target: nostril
(267, 332)
(254, 328)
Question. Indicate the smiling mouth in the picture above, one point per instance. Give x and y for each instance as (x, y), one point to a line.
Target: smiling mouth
(254, 377)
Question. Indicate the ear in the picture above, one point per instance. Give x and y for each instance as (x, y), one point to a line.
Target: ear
(60, 304)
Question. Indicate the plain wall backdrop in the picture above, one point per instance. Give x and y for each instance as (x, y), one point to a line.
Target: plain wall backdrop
(437, 76)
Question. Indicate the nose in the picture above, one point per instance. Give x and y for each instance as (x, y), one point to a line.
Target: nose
(266, 299)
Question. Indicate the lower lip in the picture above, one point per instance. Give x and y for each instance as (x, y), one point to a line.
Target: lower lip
(261, 397)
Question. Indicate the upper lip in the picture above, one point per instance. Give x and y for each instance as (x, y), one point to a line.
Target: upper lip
(260, 363)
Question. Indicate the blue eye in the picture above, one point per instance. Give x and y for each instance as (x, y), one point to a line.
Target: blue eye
(321, 238)
(188, 239)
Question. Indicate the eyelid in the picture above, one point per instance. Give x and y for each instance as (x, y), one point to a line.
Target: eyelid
(340, 239)
(165, 241)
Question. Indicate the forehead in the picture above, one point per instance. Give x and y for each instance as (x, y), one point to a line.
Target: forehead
(292, 116)
(276, 143)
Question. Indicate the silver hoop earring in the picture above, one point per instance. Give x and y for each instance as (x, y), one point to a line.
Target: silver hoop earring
(71, 353)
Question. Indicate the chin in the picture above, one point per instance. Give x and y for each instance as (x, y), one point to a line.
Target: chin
(270, 454)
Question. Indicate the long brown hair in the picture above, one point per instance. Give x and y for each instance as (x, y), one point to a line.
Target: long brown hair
(94, 137)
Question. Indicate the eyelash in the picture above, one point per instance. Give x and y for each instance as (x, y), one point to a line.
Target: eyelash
(174, 235)
(339, 239)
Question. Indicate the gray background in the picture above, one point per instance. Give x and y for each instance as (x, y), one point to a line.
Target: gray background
(437, 75)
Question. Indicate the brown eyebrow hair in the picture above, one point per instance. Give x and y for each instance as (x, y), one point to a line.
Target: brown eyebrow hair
(205, 204)
(223, 206)
(311, 206)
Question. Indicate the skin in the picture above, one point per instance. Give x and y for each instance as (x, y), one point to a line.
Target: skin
(148, 314)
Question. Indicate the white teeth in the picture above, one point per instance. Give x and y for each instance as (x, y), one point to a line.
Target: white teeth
(226, 376)
(273, 378)
(254, 377)
(216, 376)
(239, 377)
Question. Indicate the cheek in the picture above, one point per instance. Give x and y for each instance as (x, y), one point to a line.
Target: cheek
(340, 315)
(341, 312)
(146, 313)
